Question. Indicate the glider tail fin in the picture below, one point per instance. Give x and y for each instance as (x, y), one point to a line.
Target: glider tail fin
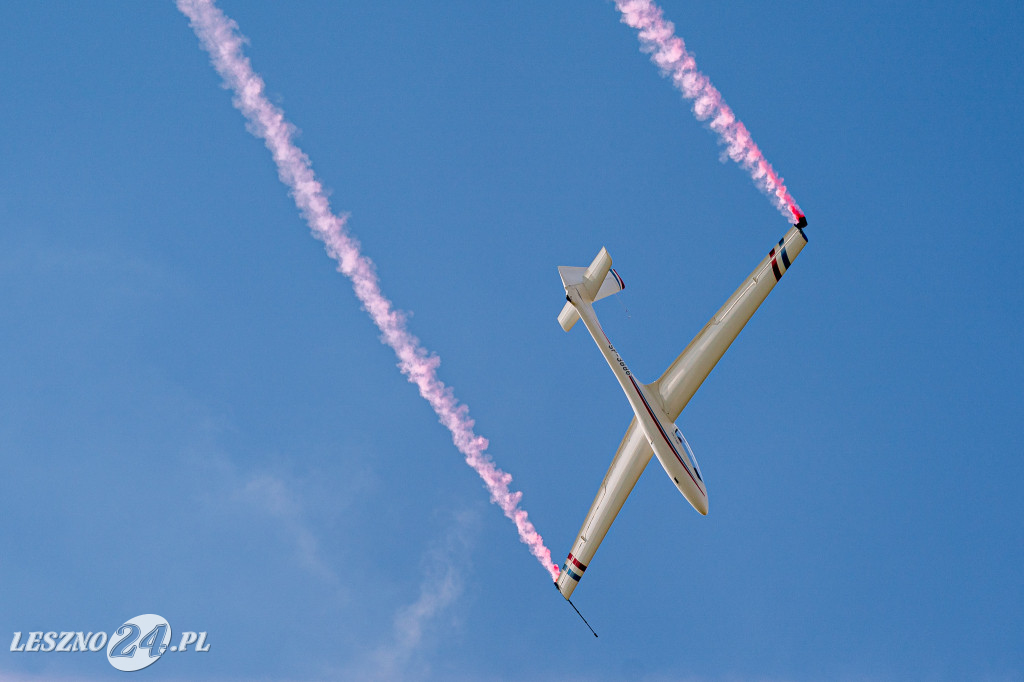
(595, 282)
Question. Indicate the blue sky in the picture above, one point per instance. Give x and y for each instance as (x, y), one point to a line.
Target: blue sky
(198, 421)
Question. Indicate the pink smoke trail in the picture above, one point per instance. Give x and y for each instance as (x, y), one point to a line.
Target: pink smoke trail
(218, 35)
(668, 52)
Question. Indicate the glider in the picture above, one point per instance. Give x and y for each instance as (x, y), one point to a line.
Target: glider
(657, 405)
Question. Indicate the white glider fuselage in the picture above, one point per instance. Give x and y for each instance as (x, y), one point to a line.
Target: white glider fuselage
(657, 405)
(664, 439)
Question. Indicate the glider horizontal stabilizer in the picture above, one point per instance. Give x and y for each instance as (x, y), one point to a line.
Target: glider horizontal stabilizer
(594, 282)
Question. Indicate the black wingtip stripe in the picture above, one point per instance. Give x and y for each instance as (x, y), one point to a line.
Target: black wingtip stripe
(775, 266)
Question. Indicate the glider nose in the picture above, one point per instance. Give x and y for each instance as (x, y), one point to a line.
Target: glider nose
(702, 505)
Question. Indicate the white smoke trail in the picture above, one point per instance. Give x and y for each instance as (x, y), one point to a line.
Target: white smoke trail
(219, 36)
(668, 52)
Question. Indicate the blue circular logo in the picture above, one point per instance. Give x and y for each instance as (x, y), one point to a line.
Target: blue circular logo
(139, 642)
